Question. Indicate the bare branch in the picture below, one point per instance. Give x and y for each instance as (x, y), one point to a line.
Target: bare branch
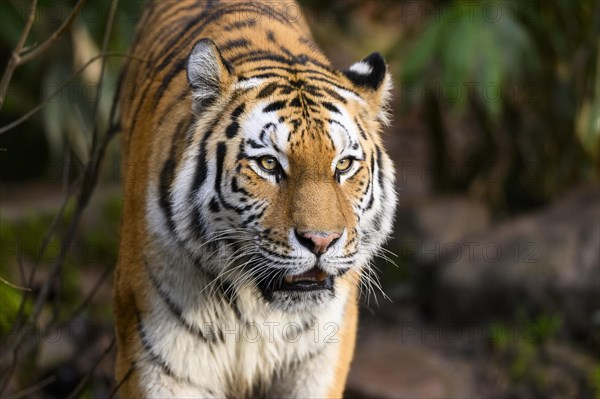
(32, 389)
(37, 108)
(90, 296)
(109, 24)
(122, 381)
(36, 51)
(88, 375)
(15, 58)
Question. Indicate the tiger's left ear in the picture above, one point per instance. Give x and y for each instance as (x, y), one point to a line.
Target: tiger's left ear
(371, 79)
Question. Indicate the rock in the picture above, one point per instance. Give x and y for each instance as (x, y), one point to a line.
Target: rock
(390, 364)
(425, 228)
(545, 262)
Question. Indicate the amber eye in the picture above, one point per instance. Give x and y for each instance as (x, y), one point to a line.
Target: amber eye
(343, 165)
(268, 163)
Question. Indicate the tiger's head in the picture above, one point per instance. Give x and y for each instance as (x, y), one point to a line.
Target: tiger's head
(284, 185)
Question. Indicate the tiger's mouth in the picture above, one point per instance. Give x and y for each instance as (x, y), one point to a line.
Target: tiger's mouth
(311, 280)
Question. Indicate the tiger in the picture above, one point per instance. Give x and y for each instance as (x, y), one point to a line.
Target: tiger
(257, 192)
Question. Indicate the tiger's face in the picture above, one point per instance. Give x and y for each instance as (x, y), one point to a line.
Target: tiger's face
(285, 186)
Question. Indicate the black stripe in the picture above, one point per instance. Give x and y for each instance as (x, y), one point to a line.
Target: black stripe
(240, 24)
(167, 173)
(201, 166)
(274, 106)
(170, 26)
(377, 221)
(233, 128)
(166, 177)
(379, 167)
(254, 144)
(221, 152)
(174, 308)
(363, 134)
(259, 56)
(335, 95)
(267, 90)
(311, 74)
(232, 44)
(179, 67)
(331, 107)
(153, 357)
(200, 232)
(213, 205)
(201, 171)
(372, 197)
(237, 189)
(296, 103)
(263, 132)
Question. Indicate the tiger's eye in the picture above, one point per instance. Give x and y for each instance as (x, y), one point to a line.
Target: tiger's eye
(343, 164)
(268, 163)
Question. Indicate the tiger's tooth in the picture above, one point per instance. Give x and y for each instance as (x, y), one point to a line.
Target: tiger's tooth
(289, 279)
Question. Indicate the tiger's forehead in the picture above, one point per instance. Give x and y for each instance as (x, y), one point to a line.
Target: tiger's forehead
(303, 104)
(288, 115)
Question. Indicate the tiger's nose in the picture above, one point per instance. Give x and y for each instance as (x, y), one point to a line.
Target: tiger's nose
(317, 242)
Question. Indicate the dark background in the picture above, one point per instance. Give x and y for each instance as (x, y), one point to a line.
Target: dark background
(492, 286)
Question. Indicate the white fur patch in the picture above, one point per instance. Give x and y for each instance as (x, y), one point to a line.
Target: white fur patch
(274, 136)
(248, 84)
(362, 68)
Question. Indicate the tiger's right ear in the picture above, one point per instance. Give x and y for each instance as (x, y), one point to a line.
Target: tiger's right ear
(207, 72)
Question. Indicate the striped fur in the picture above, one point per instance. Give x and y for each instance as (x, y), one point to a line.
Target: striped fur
(207, 232)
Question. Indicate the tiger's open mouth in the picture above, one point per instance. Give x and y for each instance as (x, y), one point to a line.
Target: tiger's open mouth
(311, 280)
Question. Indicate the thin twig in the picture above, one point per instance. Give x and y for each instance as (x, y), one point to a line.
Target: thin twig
(75, 393)
(90, 296)
(109, 25)
(27, 392)
(18, 325)
(36, 51)
(71, 191)
(17, 287)
(125, 378)
(16, 54)
(90, 180)
(21, 56)
(105, 41)
(67, 196)
(37, 108)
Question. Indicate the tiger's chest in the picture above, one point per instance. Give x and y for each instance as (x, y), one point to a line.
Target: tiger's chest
(237, 348)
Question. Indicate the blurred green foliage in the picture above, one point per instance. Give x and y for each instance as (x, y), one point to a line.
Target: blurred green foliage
(595, 380)
(472, 47)
(539, 364)
(538, 61)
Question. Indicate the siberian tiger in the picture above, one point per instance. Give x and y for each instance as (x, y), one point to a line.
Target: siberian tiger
(256, 191)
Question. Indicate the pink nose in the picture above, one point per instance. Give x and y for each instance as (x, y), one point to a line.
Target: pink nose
(318, 242)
